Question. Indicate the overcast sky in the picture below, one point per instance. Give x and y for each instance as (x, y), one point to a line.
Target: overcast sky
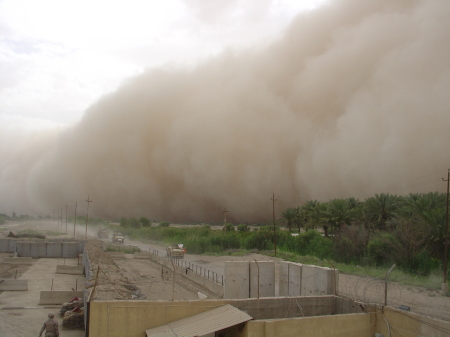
(58, 57)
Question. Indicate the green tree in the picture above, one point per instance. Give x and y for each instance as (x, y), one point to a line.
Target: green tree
(228, 227)
(144, 222)
(430, 209)
(290, 216)
(338, 212)
(134, 223)
(381, 208)
(243, 228)
(164, 224)
(309, 215)
(123, 222)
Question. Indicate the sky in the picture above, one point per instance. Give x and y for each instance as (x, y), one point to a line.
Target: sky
(59, 57)
(220, 104)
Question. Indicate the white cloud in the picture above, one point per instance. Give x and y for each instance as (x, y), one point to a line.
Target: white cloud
(58, 57)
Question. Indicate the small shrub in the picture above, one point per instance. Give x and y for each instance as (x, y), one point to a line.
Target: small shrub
(144, 222)
(164, 224)
(243, 228)
(228, 227)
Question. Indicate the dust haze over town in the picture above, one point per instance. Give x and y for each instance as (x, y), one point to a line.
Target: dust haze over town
(350, 100)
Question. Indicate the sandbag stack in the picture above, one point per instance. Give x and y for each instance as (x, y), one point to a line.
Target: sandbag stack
(73, 315)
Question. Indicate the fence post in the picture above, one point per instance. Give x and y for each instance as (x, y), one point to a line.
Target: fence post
(386, 284)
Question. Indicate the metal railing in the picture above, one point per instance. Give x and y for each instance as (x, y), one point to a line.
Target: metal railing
(199, 270)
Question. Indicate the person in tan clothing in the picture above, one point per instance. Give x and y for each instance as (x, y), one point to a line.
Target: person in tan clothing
(50, 326)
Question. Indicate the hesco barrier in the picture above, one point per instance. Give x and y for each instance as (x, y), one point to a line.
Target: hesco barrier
(39, 249)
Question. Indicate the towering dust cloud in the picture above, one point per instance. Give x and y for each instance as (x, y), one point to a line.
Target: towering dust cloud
(352, 100)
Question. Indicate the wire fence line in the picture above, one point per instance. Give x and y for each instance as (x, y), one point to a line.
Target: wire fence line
(199, 270)
(368, 290)
(418, 300)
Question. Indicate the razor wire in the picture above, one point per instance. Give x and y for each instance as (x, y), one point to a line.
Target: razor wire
(415, 299)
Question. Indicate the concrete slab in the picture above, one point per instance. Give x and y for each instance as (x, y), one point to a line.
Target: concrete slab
(142, 255)
(324, 280)
(74, 270)
(295, 279)
(307, 285)
(266, 280)
(283, 279)
(237, 274)
(18, 260)
(58, 297)
(117, 255)
(23, 248)
(13, 285)
(41, 250)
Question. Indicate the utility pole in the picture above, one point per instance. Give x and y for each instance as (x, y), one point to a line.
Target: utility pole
(75, 220)
(87, 215)
(225, 215)
(66, 219)
(444, 284)
(274, 227)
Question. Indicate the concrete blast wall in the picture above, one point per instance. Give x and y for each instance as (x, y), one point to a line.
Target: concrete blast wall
(58, 297)
(13, 285)
(237, 276)
(262, 279)
(7, 246)
(305, 280)
(34, 249)
(244, 279)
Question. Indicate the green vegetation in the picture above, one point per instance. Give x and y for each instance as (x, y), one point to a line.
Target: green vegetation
(40, 232)
(164, 224)
(377, 232)
(357, 237)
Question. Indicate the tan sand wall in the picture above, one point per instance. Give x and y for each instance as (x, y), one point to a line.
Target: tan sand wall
(406, 324)
(131, 318)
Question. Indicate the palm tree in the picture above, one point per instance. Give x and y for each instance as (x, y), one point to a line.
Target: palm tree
(339, 212)
(381, 208)
(289, 216)
(309, 214)
(430, 208)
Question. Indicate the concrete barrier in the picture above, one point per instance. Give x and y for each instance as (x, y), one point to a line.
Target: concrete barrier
(18, 260)
(13, 285)
(323, 279)
(58, 297)
(265, 281)
(290, 279)
(237, 278)
(142, 255)
(117, 255)
(283, 280)
(295, 279)
(73, 270)
(7, 246)
(308, 287)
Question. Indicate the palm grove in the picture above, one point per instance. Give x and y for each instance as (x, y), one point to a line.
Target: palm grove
(384, 229)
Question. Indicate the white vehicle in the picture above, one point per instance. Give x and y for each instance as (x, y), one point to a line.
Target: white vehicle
(176, 250)
(118, 238)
